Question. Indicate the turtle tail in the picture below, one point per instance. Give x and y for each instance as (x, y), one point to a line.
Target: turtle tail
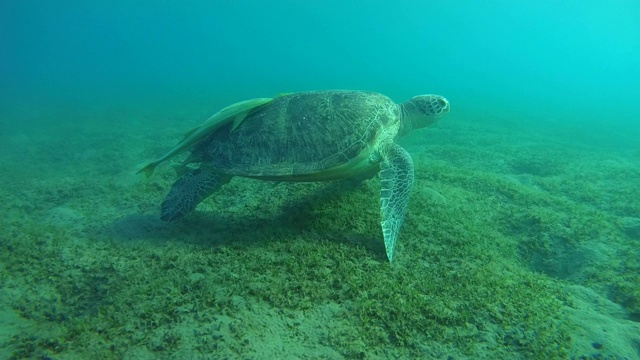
(189, 190)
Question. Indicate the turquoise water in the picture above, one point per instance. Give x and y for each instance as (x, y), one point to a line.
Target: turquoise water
(540, 58)
(526, 195)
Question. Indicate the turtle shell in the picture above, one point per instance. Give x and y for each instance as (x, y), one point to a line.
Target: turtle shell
(301, 134)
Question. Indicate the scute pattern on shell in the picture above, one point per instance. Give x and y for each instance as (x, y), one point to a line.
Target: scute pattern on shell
(302, 133)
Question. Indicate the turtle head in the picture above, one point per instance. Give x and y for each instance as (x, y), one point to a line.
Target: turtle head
(421, 111)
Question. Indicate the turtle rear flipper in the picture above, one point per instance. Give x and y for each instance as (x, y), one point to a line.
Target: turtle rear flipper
(188, 191)
(396, 180)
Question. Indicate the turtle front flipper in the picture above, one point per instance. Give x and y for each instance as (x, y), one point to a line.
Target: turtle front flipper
(396, 179)
(189, 190)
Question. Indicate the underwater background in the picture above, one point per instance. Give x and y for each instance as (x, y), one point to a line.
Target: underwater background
(523, 233)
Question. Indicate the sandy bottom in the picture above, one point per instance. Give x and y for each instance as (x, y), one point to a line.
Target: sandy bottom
(519, 244)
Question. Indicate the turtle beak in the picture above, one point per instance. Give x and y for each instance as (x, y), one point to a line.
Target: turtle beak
(444, 104)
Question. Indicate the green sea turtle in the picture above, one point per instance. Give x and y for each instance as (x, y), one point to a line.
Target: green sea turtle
(307, 136)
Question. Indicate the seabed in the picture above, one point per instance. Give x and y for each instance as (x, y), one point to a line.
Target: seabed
(517, 245)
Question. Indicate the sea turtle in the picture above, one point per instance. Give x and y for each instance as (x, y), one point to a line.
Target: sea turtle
(307, 136)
